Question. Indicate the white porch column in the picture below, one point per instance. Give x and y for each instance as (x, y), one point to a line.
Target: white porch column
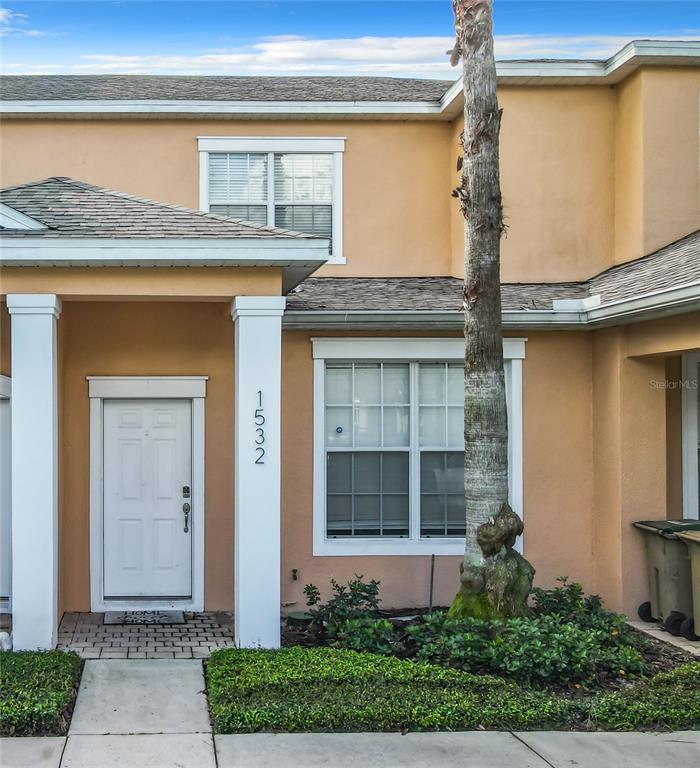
(258, 345)
(34, 470)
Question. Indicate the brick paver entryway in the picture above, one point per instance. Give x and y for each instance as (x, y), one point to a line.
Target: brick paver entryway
(90, 638)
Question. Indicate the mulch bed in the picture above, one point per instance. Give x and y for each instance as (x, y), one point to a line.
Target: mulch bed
(663, 657)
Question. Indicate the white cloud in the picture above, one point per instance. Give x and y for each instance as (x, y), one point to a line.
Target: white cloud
(13, 24)
(402, 56)
(292, 55)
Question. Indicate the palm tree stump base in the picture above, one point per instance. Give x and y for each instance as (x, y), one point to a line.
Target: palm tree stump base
(496, 590)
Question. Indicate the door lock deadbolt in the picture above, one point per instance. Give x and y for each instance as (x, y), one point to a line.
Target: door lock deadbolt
(185, 491)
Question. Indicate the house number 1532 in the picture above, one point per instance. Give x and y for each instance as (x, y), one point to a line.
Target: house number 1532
(259, 420)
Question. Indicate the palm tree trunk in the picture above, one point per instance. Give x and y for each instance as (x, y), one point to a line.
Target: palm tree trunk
(489, 520)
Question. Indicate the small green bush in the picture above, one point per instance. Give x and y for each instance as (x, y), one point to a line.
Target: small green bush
(670, 700)
(326, 689)
(571, 605)
(371, 635)
(538, 651)
(354, 600)
(37, 692)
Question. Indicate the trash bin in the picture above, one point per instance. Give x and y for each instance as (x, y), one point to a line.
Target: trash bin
(692, 623)
(668, 567)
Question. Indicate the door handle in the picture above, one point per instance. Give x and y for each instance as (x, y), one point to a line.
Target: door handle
(186, 510)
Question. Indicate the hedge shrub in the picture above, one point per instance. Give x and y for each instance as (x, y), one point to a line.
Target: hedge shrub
(327, 689)
(539, 651)
(670, 700)
(37, 689)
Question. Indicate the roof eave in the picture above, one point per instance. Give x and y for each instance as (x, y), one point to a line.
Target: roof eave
(620, 65)
(297, 257)
(678, 300)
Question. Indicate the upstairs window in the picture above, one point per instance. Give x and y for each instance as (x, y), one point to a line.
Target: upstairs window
(289, 183)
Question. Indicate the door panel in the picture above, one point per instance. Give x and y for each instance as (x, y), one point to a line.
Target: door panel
(147, 462)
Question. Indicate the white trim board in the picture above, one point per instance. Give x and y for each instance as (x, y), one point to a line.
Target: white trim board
(5, 387)
(321, 144)
(298, 256)
(13, 219)
(387, 348)
(410, 350)
(152, 387)
(689, 404)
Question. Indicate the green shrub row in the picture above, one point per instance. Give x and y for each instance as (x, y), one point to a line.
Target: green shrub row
(37, 690)
(325, 689)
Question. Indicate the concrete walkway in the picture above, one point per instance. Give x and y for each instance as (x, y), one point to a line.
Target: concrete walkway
(153, 714)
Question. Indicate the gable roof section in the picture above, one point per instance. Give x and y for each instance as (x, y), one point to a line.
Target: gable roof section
(667, 280)
(219, 88)
(92, 226)
(70, 208)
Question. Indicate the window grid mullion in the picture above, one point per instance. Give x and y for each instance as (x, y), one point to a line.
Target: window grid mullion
(414, 501)
(271, 188)
(381, 443)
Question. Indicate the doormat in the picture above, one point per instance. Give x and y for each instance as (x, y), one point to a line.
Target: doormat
(144, 617)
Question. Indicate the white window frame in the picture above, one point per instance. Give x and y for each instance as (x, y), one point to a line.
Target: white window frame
(101, 388)
(278, 144)
(689, 406)
(407, 350)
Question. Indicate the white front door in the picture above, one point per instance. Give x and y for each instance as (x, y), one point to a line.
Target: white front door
(147, 486)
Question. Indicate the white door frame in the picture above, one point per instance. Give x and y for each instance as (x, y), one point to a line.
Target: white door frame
(145, 387)
(689, 391)
(6, 394)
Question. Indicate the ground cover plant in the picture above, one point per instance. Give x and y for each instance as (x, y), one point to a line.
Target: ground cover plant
(668, 701)
(37, 691)
(328, 689)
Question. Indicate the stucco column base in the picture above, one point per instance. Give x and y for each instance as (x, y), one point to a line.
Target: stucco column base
(258, 360)
(34, 470)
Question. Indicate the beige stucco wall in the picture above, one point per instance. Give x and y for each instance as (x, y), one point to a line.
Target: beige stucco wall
(674, 440)
(395, 204)
(671, 155)
(629, 170)
(144, 283)
(557, 182)
(657, 154)
(635, 438)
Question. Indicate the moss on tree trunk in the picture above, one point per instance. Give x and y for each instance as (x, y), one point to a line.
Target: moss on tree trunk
(507, 581)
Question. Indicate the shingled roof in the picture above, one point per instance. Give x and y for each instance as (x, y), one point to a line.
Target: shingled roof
(672, 266)
(70, 208)
(218, 88)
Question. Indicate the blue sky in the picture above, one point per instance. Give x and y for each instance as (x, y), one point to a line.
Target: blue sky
(272, 37)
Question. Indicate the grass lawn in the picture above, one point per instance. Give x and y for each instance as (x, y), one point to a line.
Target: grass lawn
(37, 691)
(327, 689)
